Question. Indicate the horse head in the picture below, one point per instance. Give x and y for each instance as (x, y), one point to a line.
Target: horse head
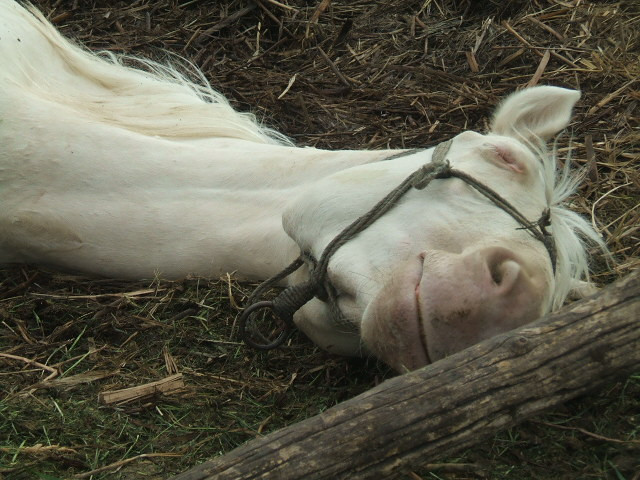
(445, 268)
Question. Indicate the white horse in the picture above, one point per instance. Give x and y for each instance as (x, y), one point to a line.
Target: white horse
(127, 173)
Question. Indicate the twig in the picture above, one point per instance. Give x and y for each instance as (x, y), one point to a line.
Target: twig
(39, 450)
(275, 19)
(602, 197)
(122, 463)
(60, 17)
(449, 468)
(19, 288)
(224, 23)
(232, 299)
(180, 315)
(281, 5)
(611, 96)
(590, 434)
(135, 293)
(54, 371)
(322, 6)
(73, 380)
(546, 27)
(334, 68)
(540, 70)
(525, 42)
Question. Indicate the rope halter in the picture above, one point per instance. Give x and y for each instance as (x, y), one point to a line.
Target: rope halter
(292, 298)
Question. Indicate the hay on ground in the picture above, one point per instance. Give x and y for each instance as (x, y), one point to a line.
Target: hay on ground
(357, 74)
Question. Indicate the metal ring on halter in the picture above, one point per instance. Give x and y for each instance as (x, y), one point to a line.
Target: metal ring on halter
(246, 336)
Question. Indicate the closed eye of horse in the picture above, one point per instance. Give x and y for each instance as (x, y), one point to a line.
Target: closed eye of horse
(127, 173)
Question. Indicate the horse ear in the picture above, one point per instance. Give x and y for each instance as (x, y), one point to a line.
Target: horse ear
(538, 112)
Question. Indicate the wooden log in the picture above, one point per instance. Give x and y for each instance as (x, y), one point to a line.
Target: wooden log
(419, 417)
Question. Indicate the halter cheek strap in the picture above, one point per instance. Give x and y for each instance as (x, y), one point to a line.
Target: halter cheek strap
(292, 298)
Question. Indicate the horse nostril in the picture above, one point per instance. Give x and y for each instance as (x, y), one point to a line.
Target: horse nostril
(503, 268)
(507, 275)
(496, 274)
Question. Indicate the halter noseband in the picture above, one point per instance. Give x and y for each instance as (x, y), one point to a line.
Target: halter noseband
(292, 298)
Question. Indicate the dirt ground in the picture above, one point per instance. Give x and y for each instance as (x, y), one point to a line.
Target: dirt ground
(336, 75)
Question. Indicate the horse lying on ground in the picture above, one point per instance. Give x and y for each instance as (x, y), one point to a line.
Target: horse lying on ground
(126, 173)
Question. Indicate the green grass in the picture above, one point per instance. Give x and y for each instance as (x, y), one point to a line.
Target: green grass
(232, 394)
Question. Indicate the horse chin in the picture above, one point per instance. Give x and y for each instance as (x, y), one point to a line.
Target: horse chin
(391, 325)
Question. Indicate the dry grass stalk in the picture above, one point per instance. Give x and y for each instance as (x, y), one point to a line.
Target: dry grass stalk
(122, 463)
(66, 383)
(40, 450)
(53, 372)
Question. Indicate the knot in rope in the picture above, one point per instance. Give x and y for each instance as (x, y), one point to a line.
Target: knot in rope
(282, 308)
(438, 168)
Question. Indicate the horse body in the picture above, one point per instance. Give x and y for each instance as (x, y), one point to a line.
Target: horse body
(113, 171)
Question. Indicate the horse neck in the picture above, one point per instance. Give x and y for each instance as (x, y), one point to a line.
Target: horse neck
(98, 198)
(249, 185)
(240, 165)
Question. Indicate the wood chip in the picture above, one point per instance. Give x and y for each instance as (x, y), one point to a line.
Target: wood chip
(167, 386)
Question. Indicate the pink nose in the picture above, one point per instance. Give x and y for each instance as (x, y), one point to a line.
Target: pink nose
(465, 298)
(503, 270)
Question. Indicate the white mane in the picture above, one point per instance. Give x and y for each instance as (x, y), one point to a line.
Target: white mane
(571, 232)
(163, 102)
(159, 101)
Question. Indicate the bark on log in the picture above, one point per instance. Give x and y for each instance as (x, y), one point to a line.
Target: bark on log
(452, 404)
